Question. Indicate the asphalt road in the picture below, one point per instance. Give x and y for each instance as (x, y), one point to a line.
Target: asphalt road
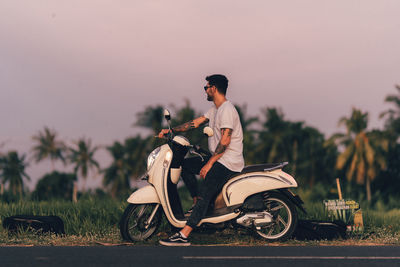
(200, 256)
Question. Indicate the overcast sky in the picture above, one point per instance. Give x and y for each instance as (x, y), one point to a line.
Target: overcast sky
(85, 68)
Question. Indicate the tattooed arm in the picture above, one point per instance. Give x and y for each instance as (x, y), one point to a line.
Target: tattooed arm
(186, 126)
(190, 124)
(226, 134)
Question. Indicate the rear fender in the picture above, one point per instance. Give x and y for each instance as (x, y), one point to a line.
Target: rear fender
(236, 190)
(294, 198)
(144, 195)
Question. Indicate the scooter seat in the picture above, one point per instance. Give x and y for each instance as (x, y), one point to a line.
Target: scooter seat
(263, 167)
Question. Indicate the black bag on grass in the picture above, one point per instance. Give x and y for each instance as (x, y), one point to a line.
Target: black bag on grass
(39, 224)
(319, 230)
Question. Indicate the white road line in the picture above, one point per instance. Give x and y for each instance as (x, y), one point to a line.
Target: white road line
(287, 258)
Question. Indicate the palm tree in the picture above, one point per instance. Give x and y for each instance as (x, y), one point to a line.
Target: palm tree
(273, 145)
(303, 146)
(14, 171)
(136, 150)
(184, 114)
(83, 158)
(284, 140)
(362, 157)
(315, 160)
(1, 170)
(151, 118)
(249, 135)
(392, 132)
(47, 146)
(117, 174)
(393, 115)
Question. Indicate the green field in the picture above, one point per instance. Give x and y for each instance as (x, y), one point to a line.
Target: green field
(94, 221)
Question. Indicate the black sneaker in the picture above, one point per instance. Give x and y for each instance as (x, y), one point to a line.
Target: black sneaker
(175, 240)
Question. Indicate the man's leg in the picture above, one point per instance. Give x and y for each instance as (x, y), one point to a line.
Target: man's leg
(191, 167)
(214, 181)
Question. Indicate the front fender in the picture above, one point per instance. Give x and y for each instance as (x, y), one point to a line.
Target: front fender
(143, 195)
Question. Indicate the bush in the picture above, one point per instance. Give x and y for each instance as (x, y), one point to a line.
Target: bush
(55, 185)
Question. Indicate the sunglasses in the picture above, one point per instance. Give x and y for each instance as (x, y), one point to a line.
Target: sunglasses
(206, 87)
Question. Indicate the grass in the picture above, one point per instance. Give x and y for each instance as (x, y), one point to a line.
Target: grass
(94, 221)
(87, 217)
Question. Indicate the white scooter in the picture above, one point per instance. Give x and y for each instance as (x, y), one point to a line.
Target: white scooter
(256, 198)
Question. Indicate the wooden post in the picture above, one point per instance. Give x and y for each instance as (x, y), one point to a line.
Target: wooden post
(341, 212)
(75, 192)
(338, 188)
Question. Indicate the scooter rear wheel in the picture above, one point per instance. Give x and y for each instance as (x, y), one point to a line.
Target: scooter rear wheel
(134, 222)
(284, 217)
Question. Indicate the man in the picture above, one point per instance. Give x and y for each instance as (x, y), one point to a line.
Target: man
(226, 146)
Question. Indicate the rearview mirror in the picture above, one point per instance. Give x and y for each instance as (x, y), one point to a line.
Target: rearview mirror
(167, 115)
(208, 131)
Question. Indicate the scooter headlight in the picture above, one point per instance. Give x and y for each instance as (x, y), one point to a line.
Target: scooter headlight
(152, 157)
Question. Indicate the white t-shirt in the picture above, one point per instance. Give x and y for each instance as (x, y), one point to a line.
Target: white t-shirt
(226, 116)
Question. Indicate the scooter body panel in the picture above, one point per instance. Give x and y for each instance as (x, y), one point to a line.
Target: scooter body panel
(159, 178)
(144, 195)
(155, 172)
(219, 219)
(239, 188)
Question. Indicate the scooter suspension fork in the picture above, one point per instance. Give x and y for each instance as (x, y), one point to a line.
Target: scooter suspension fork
(148, 222)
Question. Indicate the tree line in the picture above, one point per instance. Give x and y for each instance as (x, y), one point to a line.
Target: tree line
(366, 159)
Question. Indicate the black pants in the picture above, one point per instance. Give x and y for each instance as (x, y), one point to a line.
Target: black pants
(215, 179)
(191, 167)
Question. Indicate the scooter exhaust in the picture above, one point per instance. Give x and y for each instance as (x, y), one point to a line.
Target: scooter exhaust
(258, 219)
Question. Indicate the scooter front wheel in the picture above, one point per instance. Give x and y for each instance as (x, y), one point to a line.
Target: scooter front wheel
(284, 215)
(140, 221)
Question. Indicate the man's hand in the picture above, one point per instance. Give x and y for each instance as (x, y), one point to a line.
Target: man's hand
(163, 132)
(205, 169)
